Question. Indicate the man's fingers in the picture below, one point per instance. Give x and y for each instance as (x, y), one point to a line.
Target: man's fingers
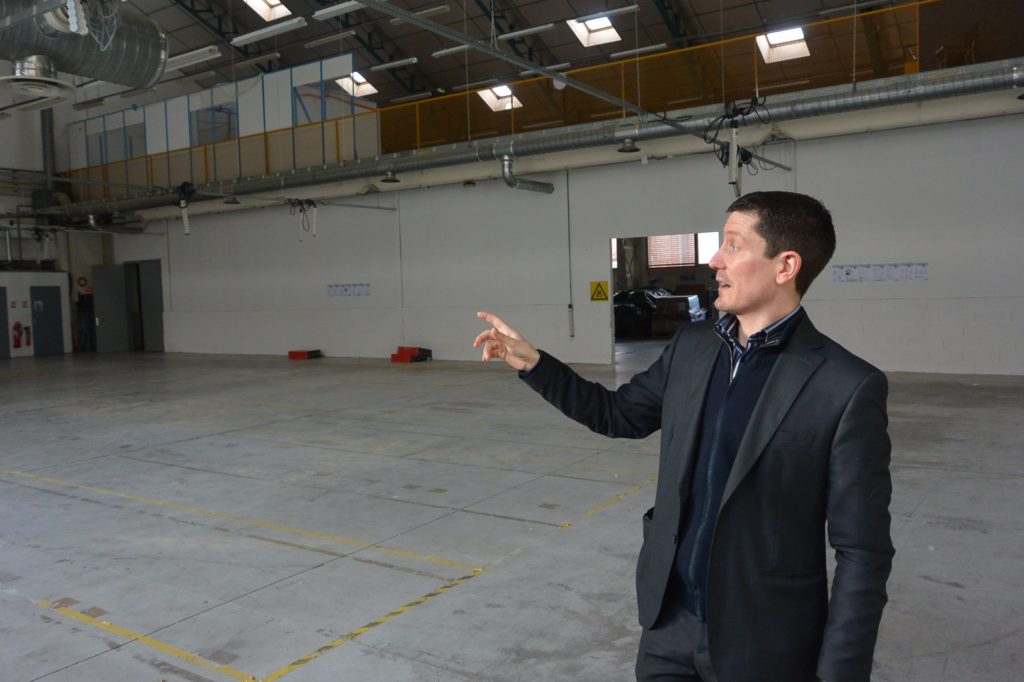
(492, 334)
(498, 324)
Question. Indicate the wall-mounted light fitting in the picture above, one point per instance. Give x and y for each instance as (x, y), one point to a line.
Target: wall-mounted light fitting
(628, 146)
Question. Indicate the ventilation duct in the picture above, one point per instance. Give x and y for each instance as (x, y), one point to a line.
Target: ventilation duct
(135, 57)
(518, 183)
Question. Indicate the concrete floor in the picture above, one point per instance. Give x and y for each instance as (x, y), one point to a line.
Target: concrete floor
(183, 517)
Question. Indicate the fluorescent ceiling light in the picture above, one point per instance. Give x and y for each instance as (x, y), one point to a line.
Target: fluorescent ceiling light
(639, 50)
(394, 64)
(500, 98)
(88, 103)
(526, 32)
(855, 7)
(269, 10)
(782, 45)
(450, 50)
(269, 31)
(258, 59)
(411, 98)
(609, 13)
(554, 67)
(428, 12)
(203, 54)
(327, 40)
(475, 84)
(339, 10)
(596, 31)
(356, 85)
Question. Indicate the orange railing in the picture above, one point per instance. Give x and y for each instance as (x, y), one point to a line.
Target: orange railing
(877, 44)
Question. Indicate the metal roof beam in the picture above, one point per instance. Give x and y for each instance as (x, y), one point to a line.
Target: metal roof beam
(457, 37)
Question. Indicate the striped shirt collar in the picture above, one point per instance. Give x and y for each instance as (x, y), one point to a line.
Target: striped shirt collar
(774, 334)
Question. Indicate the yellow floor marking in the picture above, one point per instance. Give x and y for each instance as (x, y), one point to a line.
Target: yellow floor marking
(394, 551)
(162, 647)
(344, 639)
(615, 500)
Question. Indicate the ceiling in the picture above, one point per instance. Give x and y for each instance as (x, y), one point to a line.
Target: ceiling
(192, 24)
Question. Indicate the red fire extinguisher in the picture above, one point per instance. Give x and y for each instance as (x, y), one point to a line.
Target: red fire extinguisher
(16, 335)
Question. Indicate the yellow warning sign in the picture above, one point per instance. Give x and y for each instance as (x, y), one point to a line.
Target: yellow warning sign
(599, 291)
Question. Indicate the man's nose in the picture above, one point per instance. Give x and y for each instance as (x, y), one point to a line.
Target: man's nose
(716, 261)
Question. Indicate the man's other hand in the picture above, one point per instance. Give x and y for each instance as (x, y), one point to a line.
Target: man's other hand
(501, 341)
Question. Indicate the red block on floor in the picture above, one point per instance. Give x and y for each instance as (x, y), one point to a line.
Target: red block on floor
(411, 354)
(304, 354)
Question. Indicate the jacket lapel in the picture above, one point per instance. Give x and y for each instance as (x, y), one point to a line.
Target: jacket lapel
(794, 367)
(692, 376)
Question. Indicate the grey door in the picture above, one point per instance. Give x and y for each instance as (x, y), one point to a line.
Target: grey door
(151, 301)
(5, 331)
(47, 321)
(111, 306)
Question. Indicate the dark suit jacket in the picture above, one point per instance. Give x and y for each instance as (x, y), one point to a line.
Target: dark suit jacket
(815, 450)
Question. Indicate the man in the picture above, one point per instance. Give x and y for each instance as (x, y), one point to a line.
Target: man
(769, 430)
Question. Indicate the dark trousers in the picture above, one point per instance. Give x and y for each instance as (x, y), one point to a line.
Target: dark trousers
(676, 648)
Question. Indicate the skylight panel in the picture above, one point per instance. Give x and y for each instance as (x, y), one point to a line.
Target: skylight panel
(356, 85)
(595, 31)
(269, 10)
(500, 98)
(780, 46)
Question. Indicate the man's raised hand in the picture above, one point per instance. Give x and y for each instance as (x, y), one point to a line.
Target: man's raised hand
(501, 341)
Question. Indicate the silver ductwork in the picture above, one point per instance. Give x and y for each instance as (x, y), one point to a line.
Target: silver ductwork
(841, 99)
(518, 183)
(135, 57)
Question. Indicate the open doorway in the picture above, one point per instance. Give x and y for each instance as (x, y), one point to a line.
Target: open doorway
(659, 283)
(128, 306)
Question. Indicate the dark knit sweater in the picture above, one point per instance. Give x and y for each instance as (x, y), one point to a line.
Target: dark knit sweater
(727, 409)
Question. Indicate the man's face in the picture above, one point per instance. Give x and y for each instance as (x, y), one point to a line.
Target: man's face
(746, 277)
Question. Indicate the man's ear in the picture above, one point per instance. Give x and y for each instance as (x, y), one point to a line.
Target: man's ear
(789, 263)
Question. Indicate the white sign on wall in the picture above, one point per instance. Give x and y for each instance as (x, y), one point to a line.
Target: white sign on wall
(348, 290)
(881, 272)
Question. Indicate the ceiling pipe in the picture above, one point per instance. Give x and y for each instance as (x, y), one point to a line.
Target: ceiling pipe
(518, 183)
(898, 90)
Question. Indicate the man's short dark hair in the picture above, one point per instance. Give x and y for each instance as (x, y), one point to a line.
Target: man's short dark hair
(793, 222)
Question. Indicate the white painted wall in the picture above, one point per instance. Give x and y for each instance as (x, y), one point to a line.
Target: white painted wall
(18, 286)
(945, 194)
(22, 143)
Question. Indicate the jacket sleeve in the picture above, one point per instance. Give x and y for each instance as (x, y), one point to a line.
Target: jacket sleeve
(859, 489)
(631, 411)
